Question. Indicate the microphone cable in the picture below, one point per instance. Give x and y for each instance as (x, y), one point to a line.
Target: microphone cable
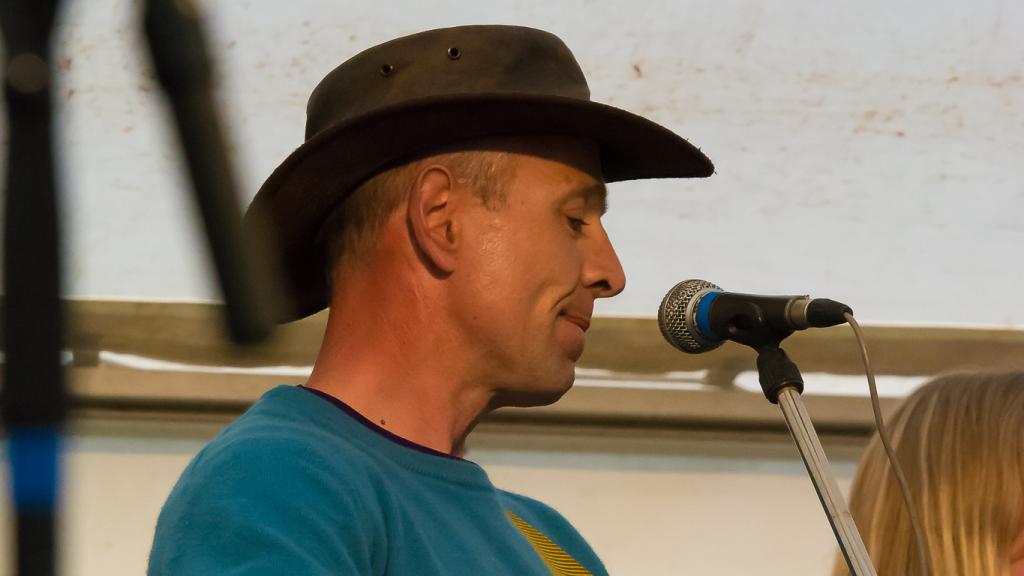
(883, 435)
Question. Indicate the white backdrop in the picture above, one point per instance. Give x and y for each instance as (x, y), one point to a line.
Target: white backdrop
(868, 152)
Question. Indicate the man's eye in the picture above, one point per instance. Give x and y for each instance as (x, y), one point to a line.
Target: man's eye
(577, 224)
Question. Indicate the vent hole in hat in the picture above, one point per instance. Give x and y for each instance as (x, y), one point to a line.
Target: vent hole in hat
(386, 70)
(454, 53)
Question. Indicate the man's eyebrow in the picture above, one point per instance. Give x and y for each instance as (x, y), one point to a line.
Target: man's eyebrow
(595, 193)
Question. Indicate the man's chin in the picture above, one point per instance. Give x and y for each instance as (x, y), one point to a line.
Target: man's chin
(535, 396)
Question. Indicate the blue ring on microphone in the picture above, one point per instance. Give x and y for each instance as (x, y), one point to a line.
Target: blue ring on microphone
(704, 316)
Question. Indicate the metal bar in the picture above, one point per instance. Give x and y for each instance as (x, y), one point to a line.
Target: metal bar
(192, 333)
(820, 471)
(197, 393)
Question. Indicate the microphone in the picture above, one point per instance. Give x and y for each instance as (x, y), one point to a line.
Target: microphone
(697, 316)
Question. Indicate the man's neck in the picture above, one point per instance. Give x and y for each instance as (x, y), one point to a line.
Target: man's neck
(399, 381)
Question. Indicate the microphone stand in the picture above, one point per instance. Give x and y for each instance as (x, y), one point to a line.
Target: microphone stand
(782, 384)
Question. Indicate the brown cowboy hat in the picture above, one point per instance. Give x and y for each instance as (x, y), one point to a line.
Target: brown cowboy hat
(432, 89)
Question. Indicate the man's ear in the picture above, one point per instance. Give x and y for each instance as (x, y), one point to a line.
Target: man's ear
(431, 221)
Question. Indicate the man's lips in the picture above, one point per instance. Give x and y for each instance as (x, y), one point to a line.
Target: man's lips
(580, 321)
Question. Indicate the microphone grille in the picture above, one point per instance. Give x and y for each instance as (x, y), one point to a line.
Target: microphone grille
(676, 316)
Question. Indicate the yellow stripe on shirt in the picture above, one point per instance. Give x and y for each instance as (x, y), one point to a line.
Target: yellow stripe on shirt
(557, 560)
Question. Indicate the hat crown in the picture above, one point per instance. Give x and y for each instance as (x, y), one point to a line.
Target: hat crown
(465, 60)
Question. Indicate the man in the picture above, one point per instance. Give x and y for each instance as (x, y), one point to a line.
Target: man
(447, 205)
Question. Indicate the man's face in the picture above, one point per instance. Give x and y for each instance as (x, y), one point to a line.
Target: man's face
(531, 269)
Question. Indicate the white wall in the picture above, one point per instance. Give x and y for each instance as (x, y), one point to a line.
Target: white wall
(868, 152)
(650, 506)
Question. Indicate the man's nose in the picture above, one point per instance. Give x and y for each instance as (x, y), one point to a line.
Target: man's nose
(602, 271)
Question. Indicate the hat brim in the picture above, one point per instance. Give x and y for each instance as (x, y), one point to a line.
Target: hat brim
(301, 192)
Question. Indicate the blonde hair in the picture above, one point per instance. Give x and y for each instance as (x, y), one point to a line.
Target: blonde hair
(960, 441)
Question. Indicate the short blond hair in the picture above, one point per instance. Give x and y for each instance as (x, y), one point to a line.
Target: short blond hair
(960, 441)
(349, 232)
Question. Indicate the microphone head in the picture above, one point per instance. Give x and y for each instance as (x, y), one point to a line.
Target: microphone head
(677, 316)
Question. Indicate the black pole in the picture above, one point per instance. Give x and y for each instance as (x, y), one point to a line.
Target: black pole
(34, 401)
(177, 43)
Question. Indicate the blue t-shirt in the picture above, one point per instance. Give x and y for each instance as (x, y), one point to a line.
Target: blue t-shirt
(301, 484)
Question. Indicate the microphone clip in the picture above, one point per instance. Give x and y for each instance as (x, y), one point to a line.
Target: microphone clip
(745, 322)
